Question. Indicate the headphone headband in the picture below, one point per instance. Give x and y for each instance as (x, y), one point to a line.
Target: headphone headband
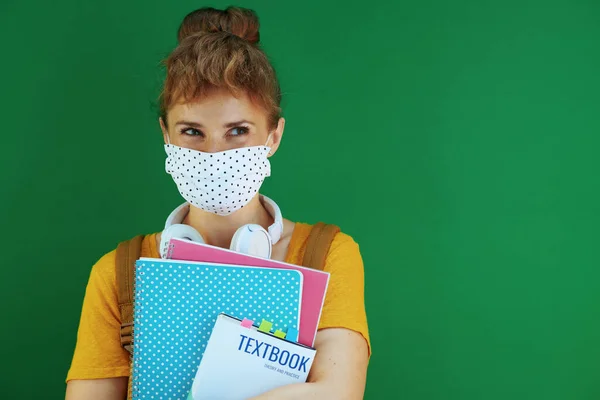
(275, 231)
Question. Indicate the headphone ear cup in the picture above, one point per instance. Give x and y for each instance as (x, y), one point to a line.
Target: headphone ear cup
(252, 239)
(178, 231)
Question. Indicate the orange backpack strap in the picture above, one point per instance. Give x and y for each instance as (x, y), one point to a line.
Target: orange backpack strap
(127, 254)
(317, 246)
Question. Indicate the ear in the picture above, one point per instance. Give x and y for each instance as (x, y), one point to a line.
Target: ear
(276, 136)
(164, 130)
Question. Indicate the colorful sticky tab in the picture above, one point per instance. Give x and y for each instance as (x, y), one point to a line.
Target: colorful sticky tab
(247, 323)
(292, 335)
(279, 333)
(265, 326)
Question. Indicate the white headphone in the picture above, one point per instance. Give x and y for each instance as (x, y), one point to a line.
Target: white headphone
(251, 239)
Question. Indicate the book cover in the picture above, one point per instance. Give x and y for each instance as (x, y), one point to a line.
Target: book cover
(176, 304)
(255, 360)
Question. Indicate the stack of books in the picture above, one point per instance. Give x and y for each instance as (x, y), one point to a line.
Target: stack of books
(211, 323)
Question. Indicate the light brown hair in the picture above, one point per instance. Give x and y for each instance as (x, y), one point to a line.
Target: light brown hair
(219, 49)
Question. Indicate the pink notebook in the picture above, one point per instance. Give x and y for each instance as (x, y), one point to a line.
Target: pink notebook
(313, 289)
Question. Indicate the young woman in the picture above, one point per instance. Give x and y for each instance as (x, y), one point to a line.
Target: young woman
(221, 98)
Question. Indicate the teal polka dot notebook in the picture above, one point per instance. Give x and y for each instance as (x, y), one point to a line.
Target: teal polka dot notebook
(177, 304)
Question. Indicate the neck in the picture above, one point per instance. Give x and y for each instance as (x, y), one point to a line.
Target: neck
(218, 230)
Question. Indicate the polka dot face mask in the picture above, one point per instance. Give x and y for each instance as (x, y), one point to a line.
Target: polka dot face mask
(221, 182)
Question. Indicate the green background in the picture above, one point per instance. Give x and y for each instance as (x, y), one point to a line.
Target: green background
(455, 141)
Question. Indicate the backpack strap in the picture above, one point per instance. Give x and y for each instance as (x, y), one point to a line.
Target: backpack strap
(317, 246)
(127, 254)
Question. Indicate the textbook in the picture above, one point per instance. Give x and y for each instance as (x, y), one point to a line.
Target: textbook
(314, 285)
(176, 304)
(242, 361)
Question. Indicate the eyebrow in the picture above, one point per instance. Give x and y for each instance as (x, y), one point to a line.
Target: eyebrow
(227, 125)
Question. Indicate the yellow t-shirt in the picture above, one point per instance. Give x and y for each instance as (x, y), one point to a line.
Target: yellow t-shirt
(98, 352)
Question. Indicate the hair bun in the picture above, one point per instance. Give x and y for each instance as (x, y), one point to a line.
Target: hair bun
(238, 21)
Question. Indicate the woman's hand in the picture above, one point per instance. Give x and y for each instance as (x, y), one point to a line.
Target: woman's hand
(338, 372)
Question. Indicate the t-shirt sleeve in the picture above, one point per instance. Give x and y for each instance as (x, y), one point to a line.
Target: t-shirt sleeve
(344, 305)
(98, 352)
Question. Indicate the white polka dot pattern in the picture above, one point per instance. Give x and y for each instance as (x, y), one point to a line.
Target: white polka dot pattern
(220, 182)
(176, 306)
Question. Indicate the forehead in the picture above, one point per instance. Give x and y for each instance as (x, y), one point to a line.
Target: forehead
(218, 107)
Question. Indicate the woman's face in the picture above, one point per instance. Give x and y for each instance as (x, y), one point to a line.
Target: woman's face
(220, 122)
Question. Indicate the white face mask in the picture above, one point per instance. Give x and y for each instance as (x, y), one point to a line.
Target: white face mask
(221, 182)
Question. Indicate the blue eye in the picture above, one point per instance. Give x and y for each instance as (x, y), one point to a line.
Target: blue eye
(239, 130)
(191, 131)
